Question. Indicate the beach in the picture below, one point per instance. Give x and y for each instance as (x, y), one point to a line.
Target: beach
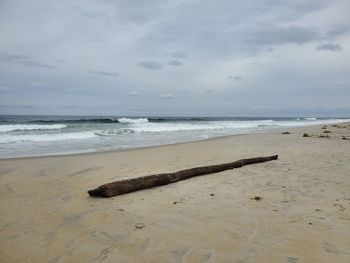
(294, 209)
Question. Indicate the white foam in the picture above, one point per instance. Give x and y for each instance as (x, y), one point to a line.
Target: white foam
(174, 127)
(310, 119)
(127, 120)
(28, 127)
(224, 125)
(114, 132)
(305, 123)
(11, 138)
(204, 126)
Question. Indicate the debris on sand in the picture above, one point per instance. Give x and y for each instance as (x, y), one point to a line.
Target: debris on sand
(140, 225)
(285, 132)
(339, 126)
(327, 131)
(306, 135)
(145, 182)
(178, 202)
(323, 136)
(256, 198)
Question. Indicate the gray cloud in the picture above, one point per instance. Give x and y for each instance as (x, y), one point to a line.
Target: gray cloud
(12, 57)
(4, 88)
(235, 78)
(343, 84)
(283, 35)
(175, 62)
(36, 64)
(330, 47)
(134, 93)
(75, 90)
(177, 54)
(18, 106)
(93, 14)
(152, 65)
(23, 60)
(338, 30)
(103, 73)
(36, 84)
(166, 96)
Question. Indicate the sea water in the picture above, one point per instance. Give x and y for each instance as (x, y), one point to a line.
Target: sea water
(47, 135)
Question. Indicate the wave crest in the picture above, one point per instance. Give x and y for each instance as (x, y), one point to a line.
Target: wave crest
(10, 138)
(29, 127)
(93, 120)
(109, 133)
(134, 121)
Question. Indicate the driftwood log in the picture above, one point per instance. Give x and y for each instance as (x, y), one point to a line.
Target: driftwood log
(144, 182)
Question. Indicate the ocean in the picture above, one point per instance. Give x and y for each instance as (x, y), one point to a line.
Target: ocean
(22, 136)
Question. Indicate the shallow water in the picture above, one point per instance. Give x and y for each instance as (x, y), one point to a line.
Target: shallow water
(47, 135)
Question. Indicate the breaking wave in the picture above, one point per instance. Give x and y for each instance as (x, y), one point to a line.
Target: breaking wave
(109, 133)
(93, 120)
(29, 127)
(136, 121)
(11, 138)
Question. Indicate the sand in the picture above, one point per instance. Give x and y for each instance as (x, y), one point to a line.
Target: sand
(303, 214)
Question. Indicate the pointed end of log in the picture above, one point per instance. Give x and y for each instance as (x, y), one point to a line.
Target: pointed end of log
(98, 192)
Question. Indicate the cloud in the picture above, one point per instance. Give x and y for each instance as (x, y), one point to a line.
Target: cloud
(134, 93)
(93, 14)
(151, 65)
(18, 106)
(4, 88)
(36, 84)
(177, 54)
(12, 57)
(284, 35)
(23, 60)
(74, 89)
(342, 85)
(103, 73)
(36, 64)
(175, 62)
(209, 90)
(338, 30)
(235, 78)
(166, 96)
(330, 47)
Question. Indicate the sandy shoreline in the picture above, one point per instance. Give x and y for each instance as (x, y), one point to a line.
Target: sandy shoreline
(304, 214)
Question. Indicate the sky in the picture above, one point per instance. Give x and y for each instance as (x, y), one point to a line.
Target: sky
(182, 58)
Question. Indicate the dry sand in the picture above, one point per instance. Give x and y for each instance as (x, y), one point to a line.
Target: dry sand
(304, 214)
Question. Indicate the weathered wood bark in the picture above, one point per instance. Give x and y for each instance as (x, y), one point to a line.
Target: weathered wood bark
(144, 182)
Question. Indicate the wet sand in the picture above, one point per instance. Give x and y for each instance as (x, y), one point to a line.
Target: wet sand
(303, 214)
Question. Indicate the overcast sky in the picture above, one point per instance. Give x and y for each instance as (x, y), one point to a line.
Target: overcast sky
(184, 57)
